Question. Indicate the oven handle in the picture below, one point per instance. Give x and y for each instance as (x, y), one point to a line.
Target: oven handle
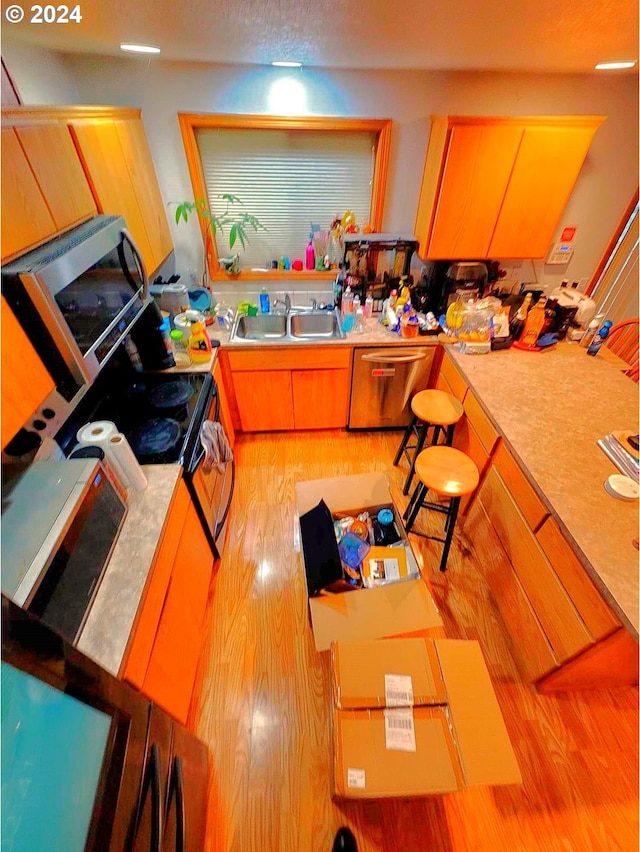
(221, 522)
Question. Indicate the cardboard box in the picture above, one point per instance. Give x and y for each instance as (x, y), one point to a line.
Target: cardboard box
(429, 749)
(395, 610)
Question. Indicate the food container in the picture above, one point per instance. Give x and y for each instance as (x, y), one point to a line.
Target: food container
(409, 329)
(184, 320)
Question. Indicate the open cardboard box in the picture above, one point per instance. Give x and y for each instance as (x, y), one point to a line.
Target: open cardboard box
(451, 738)
(396, 609)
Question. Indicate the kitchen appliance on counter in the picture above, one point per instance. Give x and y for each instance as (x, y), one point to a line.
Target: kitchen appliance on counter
(77, 297)
(445, 281)
(374, 263)
(160, 414)
(570, 297)
(383, 382)
(60, 522)
(88, 763)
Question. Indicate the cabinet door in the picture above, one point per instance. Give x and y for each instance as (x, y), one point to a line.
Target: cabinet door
(26, 220)
(146, 627)
(25, 381)
(58, 170)
(476, 172)
(111, 181)
(138, 157)
(172, 668)
(320, 398)
(186, 813)
(264, 400)
(546, 169)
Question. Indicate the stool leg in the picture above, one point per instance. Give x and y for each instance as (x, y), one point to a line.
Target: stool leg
(449, 439)
(450, 524)
(415, 505)
(424, 428)
(436, 435)
(405, 440)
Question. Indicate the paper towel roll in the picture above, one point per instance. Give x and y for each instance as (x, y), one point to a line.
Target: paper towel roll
(124, 454)
(98, 434)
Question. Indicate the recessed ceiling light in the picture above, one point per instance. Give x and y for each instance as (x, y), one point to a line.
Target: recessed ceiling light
(283, 64)
(139, 48)
(612, 66)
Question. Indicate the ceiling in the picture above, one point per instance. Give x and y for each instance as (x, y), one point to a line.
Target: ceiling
(517, 35)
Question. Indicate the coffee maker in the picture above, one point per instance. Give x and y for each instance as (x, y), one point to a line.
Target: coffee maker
(445, 281)
(150, 342)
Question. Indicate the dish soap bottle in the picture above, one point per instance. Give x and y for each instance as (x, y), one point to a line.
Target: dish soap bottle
(265, 304)
(310, 255)
(199, 344)
(534, 323)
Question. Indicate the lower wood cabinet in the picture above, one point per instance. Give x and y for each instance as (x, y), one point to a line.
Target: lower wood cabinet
(163, 653)
(292, 388)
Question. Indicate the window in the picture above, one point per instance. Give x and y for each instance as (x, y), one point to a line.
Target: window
(289, 173)
(616, 282)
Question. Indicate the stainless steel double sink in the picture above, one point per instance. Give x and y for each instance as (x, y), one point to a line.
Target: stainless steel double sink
(295, 326)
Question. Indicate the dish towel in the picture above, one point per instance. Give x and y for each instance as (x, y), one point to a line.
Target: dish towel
(217, 452)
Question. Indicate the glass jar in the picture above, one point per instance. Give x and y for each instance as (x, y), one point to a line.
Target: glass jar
(474, 336)
(181, 354)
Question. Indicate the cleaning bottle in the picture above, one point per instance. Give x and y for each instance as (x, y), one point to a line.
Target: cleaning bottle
(596, 344)
(199, 344)
(265, 304)
(310, 255)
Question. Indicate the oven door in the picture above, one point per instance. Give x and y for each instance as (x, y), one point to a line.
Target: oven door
(212, 490)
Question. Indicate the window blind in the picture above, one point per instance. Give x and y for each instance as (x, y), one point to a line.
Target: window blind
(288, 179)
(616, 292)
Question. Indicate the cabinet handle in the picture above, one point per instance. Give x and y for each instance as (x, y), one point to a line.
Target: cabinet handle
(145, 278)
(176, 788)
(151, 783)
(382, 358)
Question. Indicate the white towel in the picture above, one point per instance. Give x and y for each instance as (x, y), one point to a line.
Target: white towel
(216, 446)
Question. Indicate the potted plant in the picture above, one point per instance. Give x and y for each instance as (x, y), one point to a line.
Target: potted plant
(238, 223)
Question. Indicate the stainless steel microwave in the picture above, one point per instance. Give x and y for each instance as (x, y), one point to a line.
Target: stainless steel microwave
(60, 522)
(77, 298)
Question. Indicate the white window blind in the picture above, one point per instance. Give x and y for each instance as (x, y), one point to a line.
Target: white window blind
(616, 291)
(288, 179)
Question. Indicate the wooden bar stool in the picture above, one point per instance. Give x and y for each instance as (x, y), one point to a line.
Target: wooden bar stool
(431, 408)
(450, 473)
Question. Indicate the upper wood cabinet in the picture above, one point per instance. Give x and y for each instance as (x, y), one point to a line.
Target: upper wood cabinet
(25, 381)
(496, 187)
(61, 165)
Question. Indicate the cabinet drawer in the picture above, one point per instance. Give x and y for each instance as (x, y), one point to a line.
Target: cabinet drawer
(528, 502)
(559, 619)
(593, 610)
(453, 378)
(480, 422)
(290, 358)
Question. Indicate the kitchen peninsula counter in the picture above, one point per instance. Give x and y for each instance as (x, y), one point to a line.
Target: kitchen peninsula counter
(551, 408)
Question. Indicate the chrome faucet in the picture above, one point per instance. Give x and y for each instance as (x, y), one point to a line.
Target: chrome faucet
(314, 305)
(286, 304)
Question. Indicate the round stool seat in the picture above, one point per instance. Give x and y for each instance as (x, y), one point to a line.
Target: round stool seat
(447, 471)
(437, 407)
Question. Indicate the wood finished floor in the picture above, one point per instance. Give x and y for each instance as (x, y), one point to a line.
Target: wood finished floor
(262, 696)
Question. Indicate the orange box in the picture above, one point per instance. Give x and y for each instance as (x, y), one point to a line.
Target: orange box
(455, 739)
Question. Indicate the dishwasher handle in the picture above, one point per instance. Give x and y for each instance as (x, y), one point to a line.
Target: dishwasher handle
(382, 358)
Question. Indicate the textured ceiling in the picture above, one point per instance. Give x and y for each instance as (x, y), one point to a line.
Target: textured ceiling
(502, 35)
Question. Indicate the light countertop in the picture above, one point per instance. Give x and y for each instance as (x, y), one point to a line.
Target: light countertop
(111, 619)
(551, 408)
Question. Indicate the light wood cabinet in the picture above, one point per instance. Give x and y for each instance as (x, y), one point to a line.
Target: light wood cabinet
(497, 187)
(25, 380)
(26, 220)
(291, 388)
(163, 652)
(58, 171)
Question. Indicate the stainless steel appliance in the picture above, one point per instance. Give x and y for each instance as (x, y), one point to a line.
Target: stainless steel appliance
(77, 297)
(60, 522)
(88, 763)
(161, 414)
(383, 382)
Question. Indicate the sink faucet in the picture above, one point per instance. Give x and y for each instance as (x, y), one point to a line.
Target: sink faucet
(286, 304)
(314, 305)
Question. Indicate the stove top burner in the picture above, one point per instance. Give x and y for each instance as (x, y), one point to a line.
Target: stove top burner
(171, 395)
(155, 436)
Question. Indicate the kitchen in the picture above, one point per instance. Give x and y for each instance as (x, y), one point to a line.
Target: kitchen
(263, 796)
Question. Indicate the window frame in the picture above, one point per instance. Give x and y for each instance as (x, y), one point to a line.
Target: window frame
(190, 123)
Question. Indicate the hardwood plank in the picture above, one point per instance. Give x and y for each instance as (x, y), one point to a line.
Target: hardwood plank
(291, 358)
(593, 610)
(263, 698)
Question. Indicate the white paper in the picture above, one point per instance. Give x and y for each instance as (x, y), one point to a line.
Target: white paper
(398, 690)
(356, 779)
(399, 730)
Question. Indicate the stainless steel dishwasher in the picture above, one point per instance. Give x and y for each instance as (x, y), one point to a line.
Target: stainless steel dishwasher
(383, 380)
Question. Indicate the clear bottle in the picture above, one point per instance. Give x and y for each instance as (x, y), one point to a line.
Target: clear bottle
(368, 306)
(358, 325)
(181, 353)
(347, 302)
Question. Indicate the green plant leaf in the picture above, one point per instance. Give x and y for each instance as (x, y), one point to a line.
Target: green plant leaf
(231, 199)
(233, 233)
(242, 236)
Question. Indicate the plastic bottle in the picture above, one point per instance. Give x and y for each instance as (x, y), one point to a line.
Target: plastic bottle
(359, 321)
(534, 323)
(347, 302)
(265, 304)
(181, 353)
(368, 306)
(310, 255)
(591, 331)
(517, 326)
(199, 344)
(596, 344)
